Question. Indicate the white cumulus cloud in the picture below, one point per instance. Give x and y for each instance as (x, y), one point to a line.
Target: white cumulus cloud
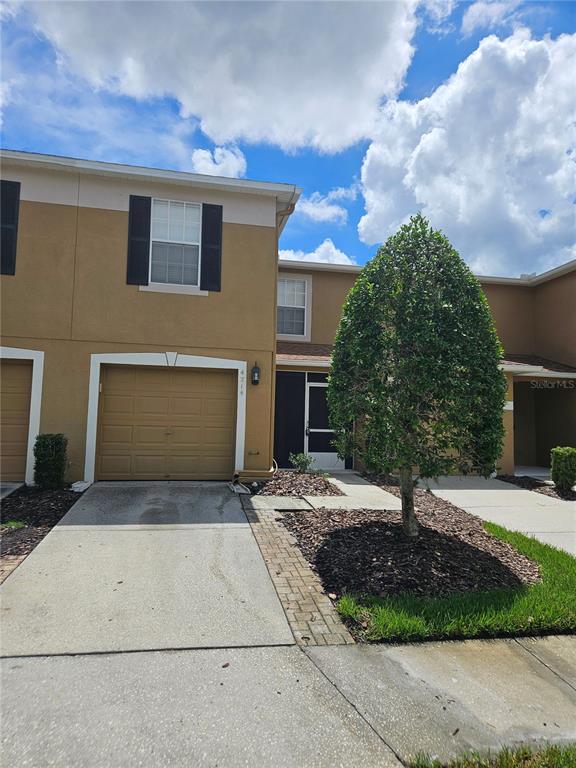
(223, 161)
(487, 14)
(488, 157)
(246, 71)
(325, 253)
(327, 208)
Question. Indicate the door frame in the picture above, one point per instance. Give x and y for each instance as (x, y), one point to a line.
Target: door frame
(37, 358)
(309, 384)
(161, 360)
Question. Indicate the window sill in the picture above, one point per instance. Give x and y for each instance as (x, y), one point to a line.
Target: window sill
(291, 337)
(190, 290)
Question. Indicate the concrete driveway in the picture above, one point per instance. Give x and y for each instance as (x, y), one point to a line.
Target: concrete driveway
(549, 520)
(144, 566)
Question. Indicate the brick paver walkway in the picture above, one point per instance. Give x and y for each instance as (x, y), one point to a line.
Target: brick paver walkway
(310, 613)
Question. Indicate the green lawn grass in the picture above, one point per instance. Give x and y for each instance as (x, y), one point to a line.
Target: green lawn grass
(13, 524)
(523, 757)
(544, 608)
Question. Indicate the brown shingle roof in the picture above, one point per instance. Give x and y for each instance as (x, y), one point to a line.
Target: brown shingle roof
(300, 350)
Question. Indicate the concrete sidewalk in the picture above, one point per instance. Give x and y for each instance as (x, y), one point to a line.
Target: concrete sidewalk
(324, 707)
(549, 520)
(358, 494)
(143, 566)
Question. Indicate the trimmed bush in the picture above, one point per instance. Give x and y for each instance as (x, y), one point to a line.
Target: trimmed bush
(301, 462)
(563, 468)
(50, 460)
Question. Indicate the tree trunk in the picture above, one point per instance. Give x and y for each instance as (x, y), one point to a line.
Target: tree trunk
(409, 522)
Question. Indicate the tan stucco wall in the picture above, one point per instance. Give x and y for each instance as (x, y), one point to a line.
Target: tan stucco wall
(65, 291)
(69, 297)
(512, 309)
(506, 463)
(555, 313)
(65, 393)
(329, 291)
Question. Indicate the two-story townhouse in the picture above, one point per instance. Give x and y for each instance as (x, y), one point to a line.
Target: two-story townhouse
(138, 318)
(146, 316)
(536, 320)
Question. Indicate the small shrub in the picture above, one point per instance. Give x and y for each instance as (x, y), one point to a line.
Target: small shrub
(563, 468)
(302, 462)
(50, 460)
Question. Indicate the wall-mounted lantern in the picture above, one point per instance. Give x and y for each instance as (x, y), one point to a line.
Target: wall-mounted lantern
(255, 374)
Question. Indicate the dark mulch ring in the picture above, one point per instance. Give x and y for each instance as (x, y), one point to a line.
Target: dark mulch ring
(531, 484)
(38, 510)
(364, 552)
(291, 483)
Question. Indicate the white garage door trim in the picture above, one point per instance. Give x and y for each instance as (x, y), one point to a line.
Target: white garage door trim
(166, 360)
(37, 358)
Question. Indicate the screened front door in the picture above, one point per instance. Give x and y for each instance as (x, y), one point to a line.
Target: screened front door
(318, 436)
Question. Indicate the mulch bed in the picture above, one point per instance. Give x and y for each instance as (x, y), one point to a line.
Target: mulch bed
(531, 484)
(289, 483)
(38, 510)
(364, 552)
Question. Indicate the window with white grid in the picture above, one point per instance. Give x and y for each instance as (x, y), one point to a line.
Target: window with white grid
(175, 243)
(291, 312)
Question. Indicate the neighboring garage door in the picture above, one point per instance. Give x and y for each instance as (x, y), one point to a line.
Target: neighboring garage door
(158, 423)
(15, 386)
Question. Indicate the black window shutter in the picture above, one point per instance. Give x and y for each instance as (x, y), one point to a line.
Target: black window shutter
(9, 205)
(211, 258)
(138, 240)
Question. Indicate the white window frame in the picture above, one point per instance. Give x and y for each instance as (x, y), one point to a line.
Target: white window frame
(174, 287)
(307, 308)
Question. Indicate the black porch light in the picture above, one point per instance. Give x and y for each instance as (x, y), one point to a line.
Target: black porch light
(255, 374)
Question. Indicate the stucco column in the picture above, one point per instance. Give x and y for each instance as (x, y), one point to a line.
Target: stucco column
(507, 458)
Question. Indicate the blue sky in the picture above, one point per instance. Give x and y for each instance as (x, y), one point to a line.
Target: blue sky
(462, 110)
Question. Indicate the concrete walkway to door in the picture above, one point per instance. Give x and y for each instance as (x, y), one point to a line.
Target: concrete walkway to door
(144, 566)
(551, 521)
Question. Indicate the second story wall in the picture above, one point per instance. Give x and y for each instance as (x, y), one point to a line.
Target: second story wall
(555, 312)
(537, 319)
(71, 262)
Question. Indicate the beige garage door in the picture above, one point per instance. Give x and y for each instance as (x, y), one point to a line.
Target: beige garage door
(15, 385)
(158, 423)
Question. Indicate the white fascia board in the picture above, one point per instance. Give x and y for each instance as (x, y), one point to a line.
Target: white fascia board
(517, 369)
(316, 266)
(544, 374)
(286, 194)
(310, 363)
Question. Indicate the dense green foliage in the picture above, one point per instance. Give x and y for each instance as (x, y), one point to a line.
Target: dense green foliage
(563, 470)
(547, 607)
(415, 376)
(302, 462)
(549, 756)
(50, 460)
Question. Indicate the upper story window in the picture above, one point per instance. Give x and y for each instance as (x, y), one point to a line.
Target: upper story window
(293, 318)
(175, 243)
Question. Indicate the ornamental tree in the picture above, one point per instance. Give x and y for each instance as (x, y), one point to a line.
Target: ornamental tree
(415, 383)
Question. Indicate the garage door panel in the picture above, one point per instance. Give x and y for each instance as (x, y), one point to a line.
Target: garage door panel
(166, 423)
(118, 404)
(117, 434)
(155, 405)
(220, 409)
(116, 466)
(214, 436)
(15, 388)
(186, 406)
(15, 405)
